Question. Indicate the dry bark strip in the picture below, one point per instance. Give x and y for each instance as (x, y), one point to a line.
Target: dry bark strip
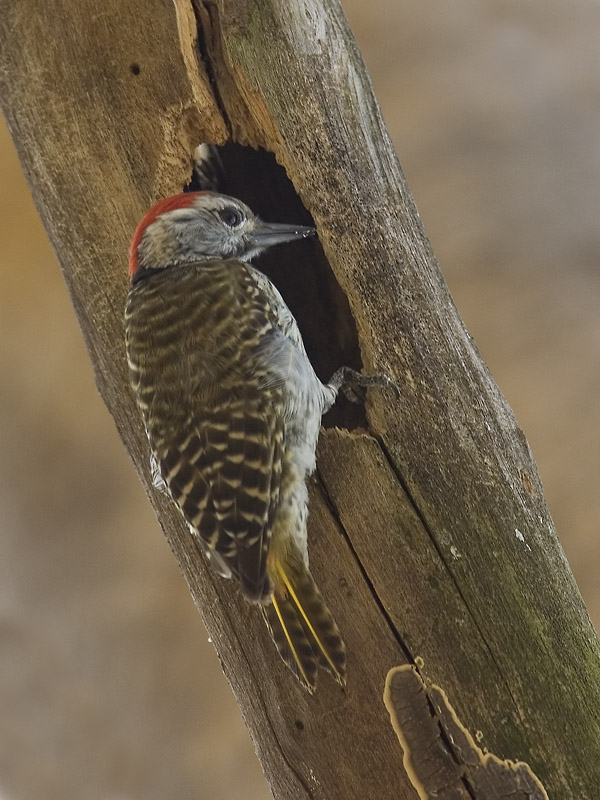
(440, 755)
(430, 534)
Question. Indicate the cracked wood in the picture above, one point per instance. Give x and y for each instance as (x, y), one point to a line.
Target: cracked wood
(440, 755)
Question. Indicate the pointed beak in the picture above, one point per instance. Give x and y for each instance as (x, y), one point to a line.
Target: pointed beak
(266, 234)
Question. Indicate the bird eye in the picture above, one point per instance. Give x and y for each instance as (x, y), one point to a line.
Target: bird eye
(231, 217)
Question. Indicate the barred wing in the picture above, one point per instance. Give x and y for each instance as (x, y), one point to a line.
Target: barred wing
(224, 470)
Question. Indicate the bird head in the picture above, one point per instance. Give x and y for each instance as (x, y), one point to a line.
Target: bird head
(198, 226)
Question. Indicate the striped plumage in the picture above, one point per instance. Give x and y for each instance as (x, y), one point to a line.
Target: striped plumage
(232, 408)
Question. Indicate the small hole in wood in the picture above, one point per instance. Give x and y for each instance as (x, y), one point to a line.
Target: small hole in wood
(135, 69)
(299, 725)
(300, 271)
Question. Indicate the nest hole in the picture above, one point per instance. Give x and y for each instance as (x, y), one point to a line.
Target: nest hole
(299, 270)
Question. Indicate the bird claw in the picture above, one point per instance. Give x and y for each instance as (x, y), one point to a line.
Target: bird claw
(354, 384)
(356, 394)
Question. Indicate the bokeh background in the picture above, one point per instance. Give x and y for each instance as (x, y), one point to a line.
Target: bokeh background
(109, 688)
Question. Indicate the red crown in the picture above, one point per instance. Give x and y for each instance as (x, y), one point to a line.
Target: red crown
(167, 204)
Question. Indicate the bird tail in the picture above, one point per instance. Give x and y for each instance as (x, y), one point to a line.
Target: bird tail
(301, 625)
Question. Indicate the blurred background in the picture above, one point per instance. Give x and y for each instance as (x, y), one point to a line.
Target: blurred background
(108, 686)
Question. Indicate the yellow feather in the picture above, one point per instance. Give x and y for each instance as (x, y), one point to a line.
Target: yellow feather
(290, 589)
(290, 644)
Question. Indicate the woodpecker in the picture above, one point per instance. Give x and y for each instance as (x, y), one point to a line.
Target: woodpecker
(232, 408)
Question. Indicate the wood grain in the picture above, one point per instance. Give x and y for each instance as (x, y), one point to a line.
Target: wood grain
(441, 756)
(430, 535)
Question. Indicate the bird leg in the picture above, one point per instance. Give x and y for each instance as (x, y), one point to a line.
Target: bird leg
(354, 384)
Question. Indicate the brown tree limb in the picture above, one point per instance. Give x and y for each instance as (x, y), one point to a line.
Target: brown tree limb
(430, 536)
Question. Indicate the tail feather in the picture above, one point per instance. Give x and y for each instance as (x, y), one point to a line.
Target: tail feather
(302, 626)
(292, 643)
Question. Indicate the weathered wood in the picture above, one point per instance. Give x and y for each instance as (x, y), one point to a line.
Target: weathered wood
(441, 757)
(430, 536)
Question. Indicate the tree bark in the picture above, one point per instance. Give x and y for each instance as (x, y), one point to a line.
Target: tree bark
(429, 533)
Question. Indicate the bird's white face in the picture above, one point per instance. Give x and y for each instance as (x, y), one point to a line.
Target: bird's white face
(213, 226)
(203, 226)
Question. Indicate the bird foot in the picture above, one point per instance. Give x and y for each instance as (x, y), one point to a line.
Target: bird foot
(354, 384)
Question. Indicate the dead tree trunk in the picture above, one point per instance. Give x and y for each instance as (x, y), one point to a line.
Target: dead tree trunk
(430, 536)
